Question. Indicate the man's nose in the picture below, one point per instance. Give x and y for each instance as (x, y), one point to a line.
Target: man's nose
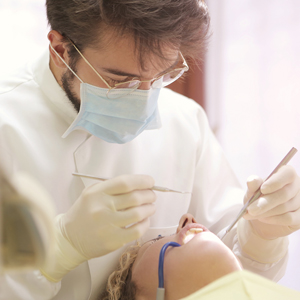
(185, 220)
(145, 85)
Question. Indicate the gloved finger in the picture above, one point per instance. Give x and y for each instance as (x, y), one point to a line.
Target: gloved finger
(253, 183)
(124, 184)
(135, 231)
(133, 215)
(284, 176)
(268, 202)
(288, 219)
(286, 207)
(132, 199)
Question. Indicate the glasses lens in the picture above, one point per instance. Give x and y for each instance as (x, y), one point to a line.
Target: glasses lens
(168, 78)
(123, 89)
(133, 84)
(172, 76)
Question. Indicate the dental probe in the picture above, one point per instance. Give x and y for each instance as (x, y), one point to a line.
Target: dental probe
(258, 193)
(155, 188)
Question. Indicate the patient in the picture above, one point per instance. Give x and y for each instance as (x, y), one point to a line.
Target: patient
(201, 259)
(201, 268)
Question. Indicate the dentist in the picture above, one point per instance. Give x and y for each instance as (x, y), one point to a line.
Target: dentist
(95, 103)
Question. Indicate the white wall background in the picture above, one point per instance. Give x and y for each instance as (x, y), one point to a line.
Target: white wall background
(253, 90)
(252, 73)
(23, 32)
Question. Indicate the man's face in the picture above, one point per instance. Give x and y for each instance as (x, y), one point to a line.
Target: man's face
(116, 61)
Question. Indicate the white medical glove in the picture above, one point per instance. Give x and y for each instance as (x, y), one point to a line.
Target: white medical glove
(106, 216)
(262, 233)
(277, 212)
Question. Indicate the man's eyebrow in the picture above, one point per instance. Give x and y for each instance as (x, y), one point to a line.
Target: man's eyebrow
(119, 72)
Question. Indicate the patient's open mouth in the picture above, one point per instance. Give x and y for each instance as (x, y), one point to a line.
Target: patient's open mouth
(191, 233)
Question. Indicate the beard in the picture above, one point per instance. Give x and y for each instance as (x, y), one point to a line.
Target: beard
(67, 80)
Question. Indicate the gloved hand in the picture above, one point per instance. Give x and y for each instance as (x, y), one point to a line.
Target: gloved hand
(277, 212)
(106, 216)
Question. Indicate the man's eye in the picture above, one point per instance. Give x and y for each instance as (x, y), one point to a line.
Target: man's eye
(113, 82)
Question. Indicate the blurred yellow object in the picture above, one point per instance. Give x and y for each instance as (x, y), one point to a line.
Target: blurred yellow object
(26, 223)
(244, 285)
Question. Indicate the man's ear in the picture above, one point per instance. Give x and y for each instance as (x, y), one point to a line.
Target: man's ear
(55, 39)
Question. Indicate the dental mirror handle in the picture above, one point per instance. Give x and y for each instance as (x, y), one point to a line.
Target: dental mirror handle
(258, 193)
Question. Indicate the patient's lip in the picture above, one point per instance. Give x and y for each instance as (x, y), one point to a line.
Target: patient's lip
(183, 231)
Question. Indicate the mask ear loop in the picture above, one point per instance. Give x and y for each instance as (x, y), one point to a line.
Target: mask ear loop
(160, 293)
(66, 64)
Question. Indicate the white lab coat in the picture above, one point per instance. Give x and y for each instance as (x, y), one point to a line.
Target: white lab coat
(183, 154)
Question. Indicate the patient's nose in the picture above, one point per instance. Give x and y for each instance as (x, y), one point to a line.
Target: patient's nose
(185, 220)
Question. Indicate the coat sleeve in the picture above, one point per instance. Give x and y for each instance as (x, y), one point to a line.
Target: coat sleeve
(27, 286)
(217, 199)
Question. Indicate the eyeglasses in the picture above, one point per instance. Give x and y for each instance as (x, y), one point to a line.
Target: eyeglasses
(127, 87)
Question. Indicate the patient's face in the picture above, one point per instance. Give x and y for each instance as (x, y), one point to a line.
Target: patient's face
(201, 259)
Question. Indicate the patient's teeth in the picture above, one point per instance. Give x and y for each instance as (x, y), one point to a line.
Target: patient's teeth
(196, 230)
(191, 233)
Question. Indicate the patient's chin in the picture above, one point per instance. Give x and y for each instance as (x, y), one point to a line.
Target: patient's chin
(210, 259)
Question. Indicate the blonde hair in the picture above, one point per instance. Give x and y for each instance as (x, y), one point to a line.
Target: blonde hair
(119, 285)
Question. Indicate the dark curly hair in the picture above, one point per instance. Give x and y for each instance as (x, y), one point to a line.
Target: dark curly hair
(180, 24)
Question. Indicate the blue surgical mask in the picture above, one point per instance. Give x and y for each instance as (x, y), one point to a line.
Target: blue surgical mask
(116, 120)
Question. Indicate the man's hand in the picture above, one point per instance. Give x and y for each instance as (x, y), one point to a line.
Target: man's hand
(277, 212)
(105, 217)
(102, 219)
